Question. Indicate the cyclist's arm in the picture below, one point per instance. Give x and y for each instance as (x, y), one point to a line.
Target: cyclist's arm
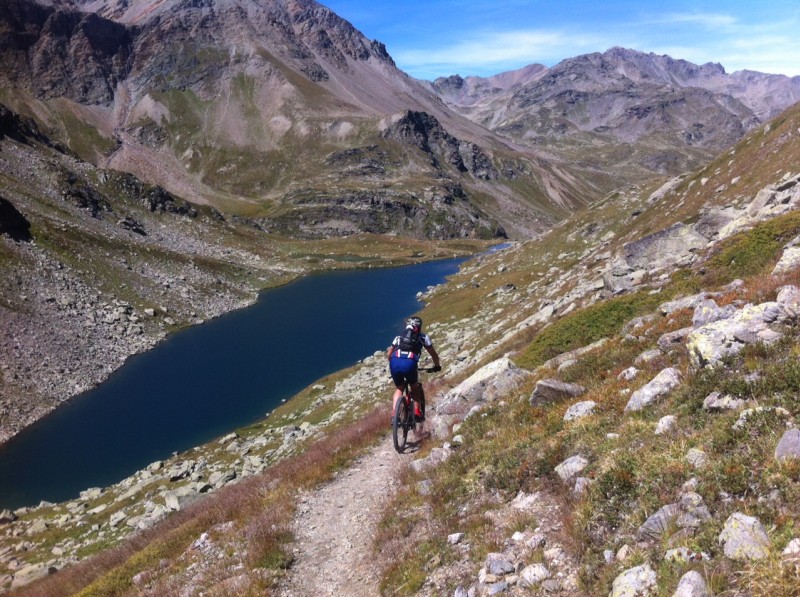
(432, 351)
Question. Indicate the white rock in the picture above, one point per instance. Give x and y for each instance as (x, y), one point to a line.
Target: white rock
(665, 424)
(571, 467)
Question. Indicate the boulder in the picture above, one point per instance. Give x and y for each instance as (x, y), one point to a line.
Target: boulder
(788, 447)
(711, 343)
(571, 467)
(686, 302)
(7, 516)
(716, 402)
(220, 478)
(490, 382)
(30, 573)
(669, 248)
(708, 312)
(580, 410)
(647, 356)
(553, 390)
(533, 575)
(659, 386)
(744, 538)
(692, 511)
(180, 498)
(628, 374)
(792, 549)
(789, 298)
(659, 523)
(697, 458)
(789, 261)
(692, 584)
(499, 564)
(673, 339)
(665, 424)
(574, 354)
(635, 582)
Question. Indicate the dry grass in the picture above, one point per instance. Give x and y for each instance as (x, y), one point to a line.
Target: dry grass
(262, 508)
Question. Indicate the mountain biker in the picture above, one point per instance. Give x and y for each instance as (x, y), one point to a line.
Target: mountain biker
(403, 357)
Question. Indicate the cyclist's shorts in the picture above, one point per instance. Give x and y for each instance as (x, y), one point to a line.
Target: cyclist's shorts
(403, 370)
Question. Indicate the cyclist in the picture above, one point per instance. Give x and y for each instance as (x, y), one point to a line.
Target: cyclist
(403, 357)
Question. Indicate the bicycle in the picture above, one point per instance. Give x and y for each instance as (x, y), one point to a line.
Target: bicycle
(404, 417)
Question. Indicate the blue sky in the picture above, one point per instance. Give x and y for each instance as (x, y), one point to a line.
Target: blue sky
(433, 38)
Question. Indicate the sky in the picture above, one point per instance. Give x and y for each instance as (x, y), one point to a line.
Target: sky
(434, 38)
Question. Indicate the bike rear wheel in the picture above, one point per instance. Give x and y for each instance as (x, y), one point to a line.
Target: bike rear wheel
(400, 424)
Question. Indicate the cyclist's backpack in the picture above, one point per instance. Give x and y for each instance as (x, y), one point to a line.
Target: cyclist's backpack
(410, 341)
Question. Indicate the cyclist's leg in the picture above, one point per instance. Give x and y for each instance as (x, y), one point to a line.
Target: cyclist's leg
(399, 370)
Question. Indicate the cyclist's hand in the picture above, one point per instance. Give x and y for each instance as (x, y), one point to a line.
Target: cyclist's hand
(436, 368)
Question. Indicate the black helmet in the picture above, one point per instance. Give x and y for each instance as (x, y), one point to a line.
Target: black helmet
(414, 322)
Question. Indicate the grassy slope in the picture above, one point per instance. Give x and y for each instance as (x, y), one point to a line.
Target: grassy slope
(515, 448)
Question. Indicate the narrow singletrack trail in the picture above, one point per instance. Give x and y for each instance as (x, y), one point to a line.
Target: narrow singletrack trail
(335, 525)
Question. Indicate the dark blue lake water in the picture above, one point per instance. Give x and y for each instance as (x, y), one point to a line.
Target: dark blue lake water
(207, 380)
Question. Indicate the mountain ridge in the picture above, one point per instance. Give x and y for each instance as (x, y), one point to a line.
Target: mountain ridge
(202, 99)
(645, 113)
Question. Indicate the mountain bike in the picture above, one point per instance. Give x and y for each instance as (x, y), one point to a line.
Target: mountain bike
(404, 418)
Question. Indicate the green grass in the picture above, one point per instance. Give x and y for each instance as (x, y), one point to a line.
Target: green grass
(588, 325)
(753, 252)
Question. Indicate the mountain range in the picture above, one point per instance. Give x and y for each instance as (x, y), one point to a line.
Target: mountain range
(630, 113)
(285, 113)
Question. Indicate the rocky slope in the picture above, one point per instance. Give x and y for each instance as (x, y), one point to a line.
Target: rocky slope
(646, 112)
(248, 105)
(616, 417)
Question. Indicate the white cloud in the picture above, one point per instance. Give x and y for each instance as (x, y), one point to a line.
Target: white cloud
(498, 51)
(707, 20)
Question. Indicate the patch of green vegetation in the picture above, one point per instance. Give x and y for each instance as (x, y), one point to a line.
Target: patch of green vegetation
(588, 325)
(120, 579)
(407, 574)
(754, 251)
(85, 139)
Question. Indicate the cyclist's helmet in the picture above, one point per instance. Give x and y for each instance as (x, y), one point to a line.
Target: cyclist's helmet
(414, 322)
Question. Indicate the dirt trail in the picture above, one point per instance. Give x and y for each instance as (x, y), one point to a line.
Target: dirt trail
(335, 526)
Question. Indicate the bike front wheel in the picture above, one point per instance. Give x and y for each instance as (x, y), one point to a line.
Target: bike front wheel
(400, 424)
